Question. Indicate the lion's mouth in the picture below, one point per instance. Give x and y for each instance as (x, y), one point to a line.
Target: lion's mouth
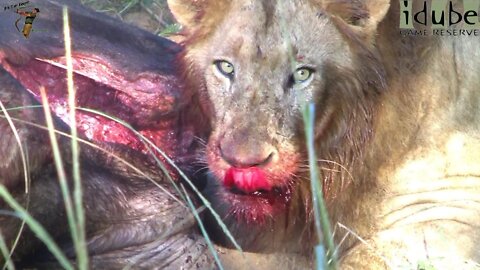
(254, 194)
(258, 206)
(248, 180)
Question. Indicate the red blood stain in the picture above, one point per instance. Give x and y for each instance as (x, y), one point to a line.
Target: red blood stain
(247, 180)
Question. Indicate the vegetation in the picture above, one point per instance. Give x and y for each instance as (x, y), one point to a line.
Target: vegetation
(151, 15)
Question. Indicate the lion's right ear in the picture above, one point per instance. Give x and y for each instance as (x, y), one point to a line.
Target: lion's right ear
(185, 11)
(194, 14)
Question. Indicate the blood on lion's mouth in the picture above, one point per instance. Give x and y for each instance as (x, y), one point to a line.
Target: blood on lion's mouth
(248, 180)
(255, 194)
(252, 198)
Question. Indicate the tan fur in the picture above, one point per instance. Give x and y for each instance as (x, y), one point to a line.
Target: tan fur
(401, 118)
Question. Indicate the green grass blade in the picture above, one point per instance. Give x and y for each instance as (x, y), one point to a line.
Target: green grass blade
(203, 230)
(80, 243)
(19, 142)
(322, 223)
(36, 228)
(6, 254)
(24, 158)
(57, 157)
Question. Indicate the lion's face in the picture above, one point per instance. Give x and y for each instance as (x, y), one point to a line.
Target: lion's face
(258, 76)
(256, 65)
(261, 63)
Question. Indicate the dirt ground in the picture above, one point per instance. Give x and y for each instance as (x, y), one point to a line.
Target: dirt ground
(151, 15)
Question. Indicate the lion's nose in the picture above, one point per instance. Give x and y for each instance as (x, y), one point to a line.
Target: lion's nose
(247, 166)
(245, 157)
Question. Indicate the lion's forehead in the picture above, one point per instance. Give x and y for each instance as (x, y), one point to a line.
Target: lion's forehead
(266, 41)
(271, 35)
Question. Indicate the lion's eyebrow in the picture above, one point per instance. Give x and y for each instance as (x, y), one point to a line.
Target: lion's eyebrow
(237, 45)
(293, 50)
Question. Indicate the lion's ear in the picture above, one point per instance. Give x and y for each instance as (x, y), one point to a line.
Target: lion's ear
(364, 14)
(193, 14)
(377, 9)
(185, 11)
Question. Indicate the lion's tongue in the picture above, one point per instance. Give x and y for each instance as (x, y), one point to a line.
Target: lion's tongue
(247, 180)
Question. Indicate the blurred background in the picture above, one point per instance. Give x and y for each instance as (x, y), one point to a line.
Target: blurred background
(151, 15)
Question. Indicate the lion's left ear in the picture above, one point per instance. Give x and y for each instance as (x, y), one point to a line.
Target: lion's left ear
(364, 15)
(377, 9)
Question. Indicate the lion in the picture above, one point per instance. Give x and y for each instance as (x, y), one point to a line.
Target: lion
(396, 132)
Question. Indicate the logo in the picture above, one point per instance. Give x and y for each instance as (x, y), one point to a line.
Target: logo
(16, 6)
(28, 23)
(440, 17)
(27, 14)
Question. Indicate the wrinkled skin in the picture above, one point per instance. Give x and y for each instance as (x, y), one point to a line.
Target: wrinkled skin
(397, 128)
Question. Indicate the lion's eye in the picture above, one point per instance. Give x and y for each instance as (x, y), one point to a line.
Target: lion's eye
(302, 74)
(226, 68)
